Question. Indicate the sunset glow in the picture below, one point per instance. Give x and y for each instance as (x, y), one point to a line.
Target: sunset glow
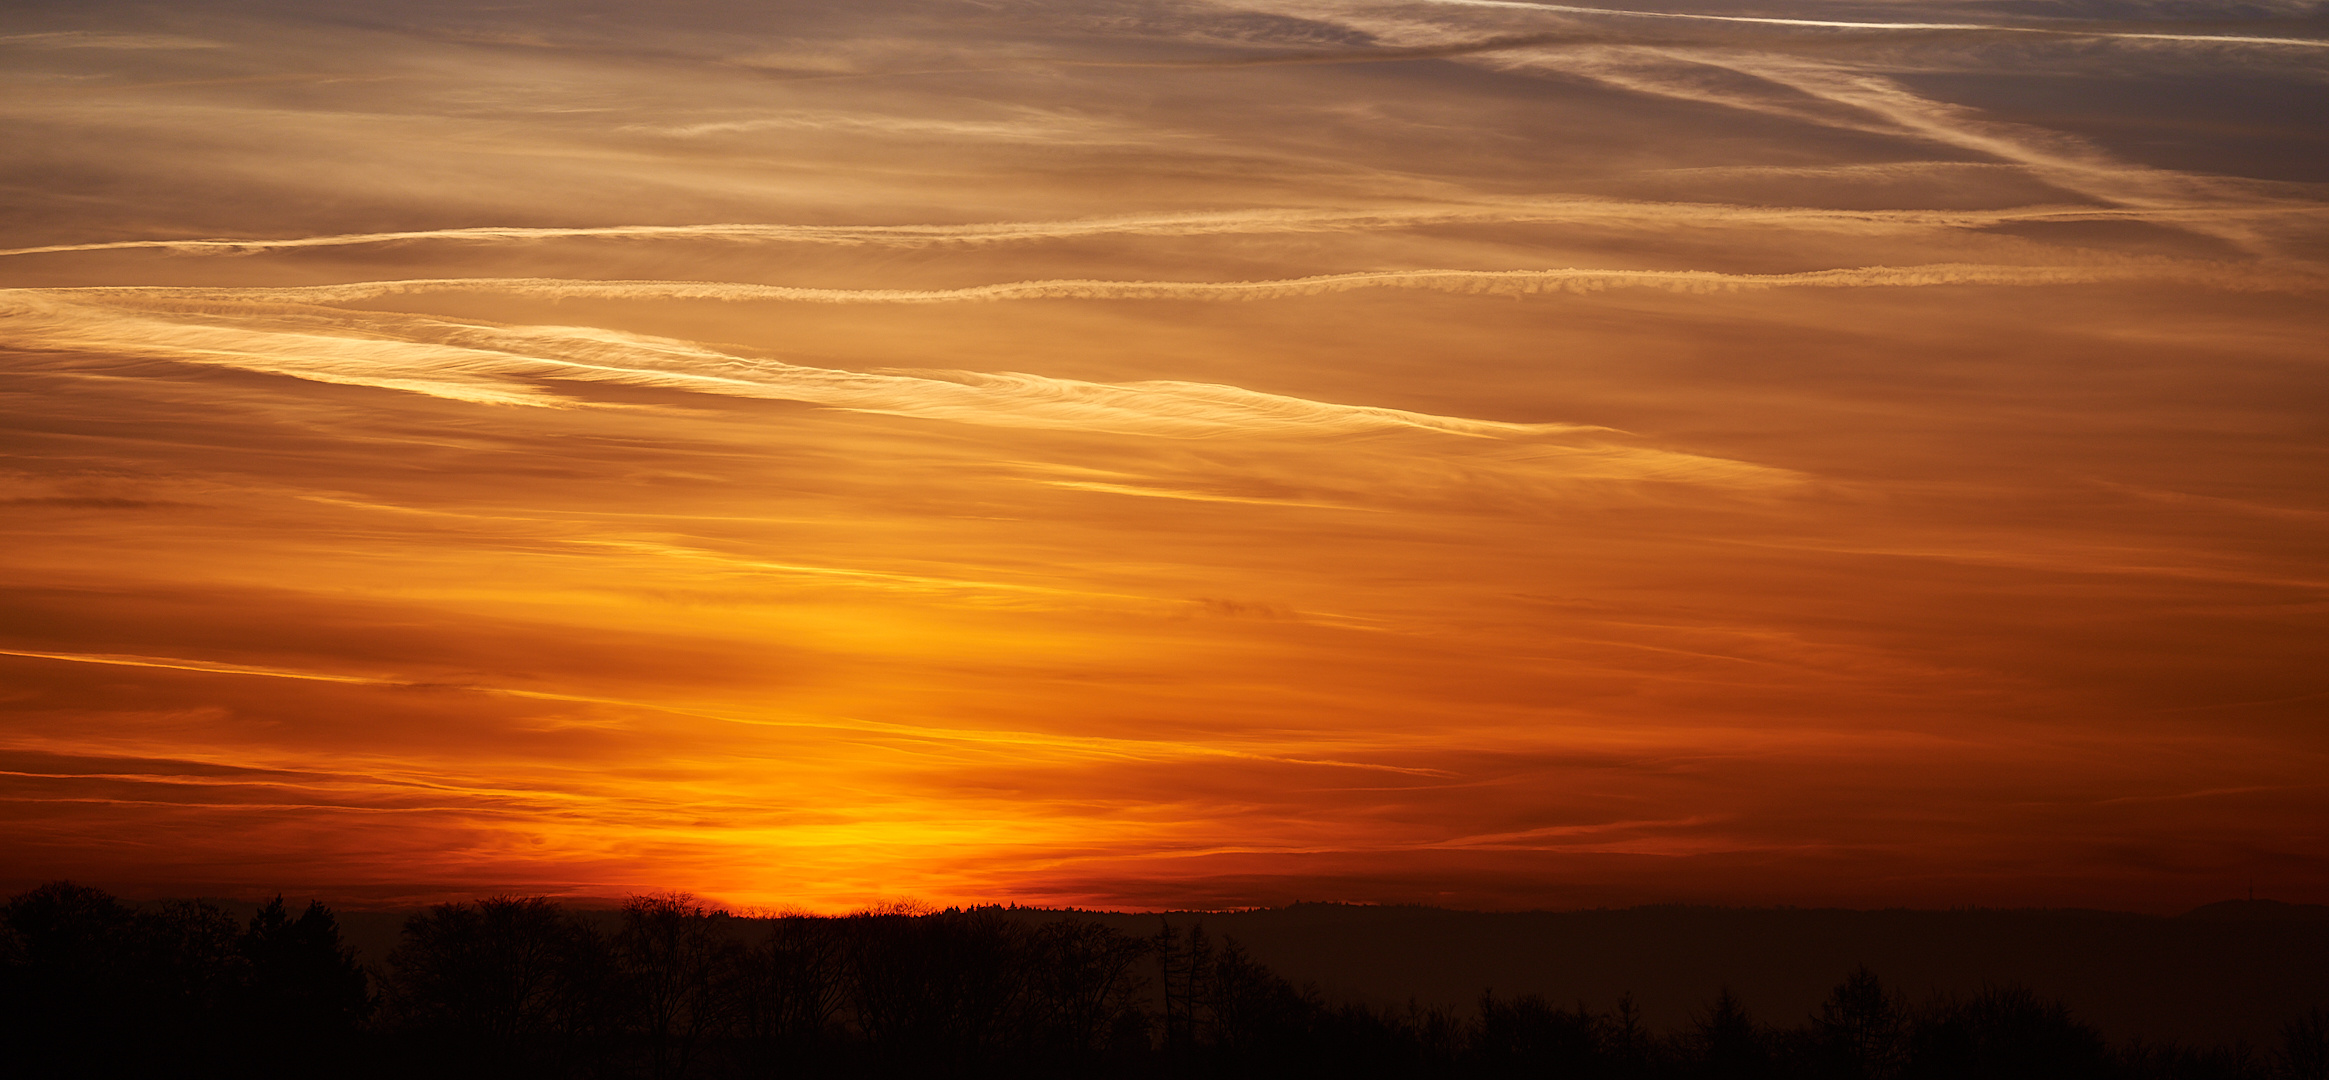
(1167, 453)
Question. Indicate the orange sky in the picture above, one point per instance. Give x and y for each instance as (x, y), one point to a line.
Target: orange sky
(1163, 452)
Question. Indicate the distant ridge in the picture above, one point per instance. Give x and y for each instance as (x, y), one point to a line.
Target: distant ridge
(2258, 911)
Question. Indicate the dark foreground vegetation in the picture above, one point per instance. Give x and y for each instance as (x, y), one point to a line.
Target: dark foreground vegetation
(519, 987)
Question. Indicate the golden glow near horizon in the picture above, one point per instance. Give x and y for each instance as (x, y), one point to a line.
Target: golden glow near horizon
(1166, 453)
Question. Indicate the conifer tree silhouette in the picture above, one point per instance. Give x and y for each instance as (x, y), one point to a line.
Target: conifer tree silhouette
(1727, 1043)
(1528, 1037)
(1628, 1048)
(2008, 1033)
(1861, 1031)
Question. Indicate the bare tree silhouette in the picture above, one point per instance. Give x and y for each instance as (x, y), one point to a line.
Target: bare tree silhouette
(1087, 990)
(938, 994)
(790, 991)
(676, 963)
(2304, 1046)
(506, 983)
(1185, 964)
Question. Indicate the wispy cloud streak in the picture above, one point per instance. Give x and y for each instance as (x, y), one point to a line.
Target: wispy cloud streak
(497, 365)
(1488, 282)
(1615, 212)
(1956, 27)
(91, 39)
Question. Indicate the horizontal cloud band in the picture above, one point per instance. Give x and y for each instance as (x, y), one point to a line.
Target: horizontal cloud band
(1608, 212)
(2069, 31)
(1492, 282)
(489, 364)
(260, 330)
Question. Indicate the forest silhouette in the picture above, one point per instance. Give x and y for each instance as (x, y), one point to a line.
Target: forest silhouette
(673, 987)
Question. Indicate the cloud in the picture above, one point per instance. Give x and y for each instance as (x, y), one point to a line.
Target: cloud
(1573, 210)
(2275, 41)
(2059, 159)
(496, 365)
(1477, 282)
(1782, 77)
(937, 525)
(93, 39)
(1032, 126)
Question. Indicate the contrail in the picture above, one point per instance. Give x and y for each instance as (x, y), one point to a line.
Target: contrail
(1491, 282)
(1200, 224)
(1833, 24)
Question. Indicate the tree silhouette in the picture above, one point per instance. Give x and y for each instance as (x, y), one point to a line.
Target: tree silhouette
(790, 990)
(942, 993)
(518, 987)
(676, 963)
(1258, 1022)
(2142, 1060)
(1528, 1037)
(70, 961)
(503, 984)
(2007, 1033)
(1861, 1031)
(2304, 1049)
(1185, 964)
(1727, 1044)
(305, 995)
(183, 983)
(1086, 990)
(1630, 1050)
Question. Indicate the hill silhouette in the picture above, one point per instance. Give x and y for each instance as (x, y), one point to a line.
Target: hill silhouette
(2253, 910)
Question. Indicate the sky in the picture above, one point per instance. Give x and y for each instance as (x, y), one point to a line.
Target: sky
(1167, 453)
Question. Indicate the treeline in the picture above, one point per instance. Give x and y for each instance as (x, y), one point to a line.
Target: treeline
(520, 987)
(90, 987)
